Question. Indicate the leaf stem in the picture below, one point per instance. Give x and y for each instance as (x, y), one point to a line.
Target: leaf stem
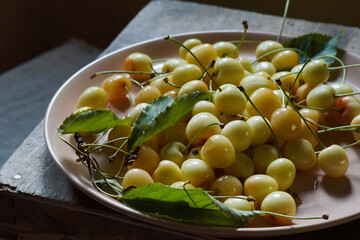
(187, 193)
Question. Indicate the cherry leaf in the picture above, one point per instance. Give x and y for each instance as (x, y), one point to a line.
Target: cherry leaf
(160, 114)
(315, 45)
(188, 206)
(92, 121)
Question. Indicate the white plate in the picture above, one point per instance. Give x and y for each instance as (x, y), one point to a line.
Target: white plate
(320, 194)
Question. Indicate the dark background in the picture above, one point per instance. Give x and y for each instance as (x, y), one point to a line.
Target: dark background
(30, 27)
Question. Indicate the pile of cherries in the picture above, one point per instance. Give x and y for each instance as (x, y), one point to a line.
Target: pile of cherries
(249, 139)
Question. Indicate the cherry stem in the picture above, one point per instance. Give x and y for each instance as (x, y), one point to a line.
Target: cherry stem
(279, 50)
(123, 160)
(94, 166)
(246, 41)
(278, 82)
(242, 89)
(318, 125)
(129, 94)
(341, 128)
(119, 71)
(155, 78)
(324, 216)
(341, 62)
(111, 141)
(346, 146)
(342, 67)
(193, 139)
(160, 59)
(247, 198)
(72, 146)
(283, 21)
(192, 54)
(211, 65)
(166, 80)
(320, 109)
(302, 101)
(297, 77)
(346, 94)
(98, 170)
(137, 83)
(103, 145)
(152, 67)
(352, 144)
(242, 38)
(91, 159)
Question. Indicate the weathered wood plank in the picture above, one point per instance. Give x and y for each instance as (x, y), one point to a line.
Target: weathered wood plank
(27, 89)
(53, 220)
(164, 17)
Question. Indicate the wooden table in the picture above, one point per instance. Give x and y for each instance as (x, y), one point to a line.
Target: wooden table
(38, 202)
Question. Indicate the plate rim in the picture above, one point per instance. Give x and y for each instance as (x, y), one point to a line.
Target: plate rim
(189, 228)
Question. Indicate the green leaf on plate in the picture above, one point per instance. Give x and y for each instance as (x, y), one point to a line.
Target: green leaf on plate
(110, 185)
(315, 45)
(190, 206)
(160, 114)
(92, 121)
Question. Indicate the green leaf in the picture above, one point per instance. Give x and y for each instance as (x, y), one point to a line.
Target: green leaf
(110, 185)
(160, 114)
(315, 45)
(191, 206)
(92, 121)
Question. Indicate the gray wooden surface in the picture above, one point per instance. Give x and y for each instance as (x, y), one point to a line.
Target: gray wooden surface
(30, 170)
(166, 17)
(27, 89)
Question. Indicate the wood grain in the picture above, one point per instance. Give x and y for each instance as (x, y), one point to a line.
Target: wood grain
(27, 89)
(162, 18)
(44, 219)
